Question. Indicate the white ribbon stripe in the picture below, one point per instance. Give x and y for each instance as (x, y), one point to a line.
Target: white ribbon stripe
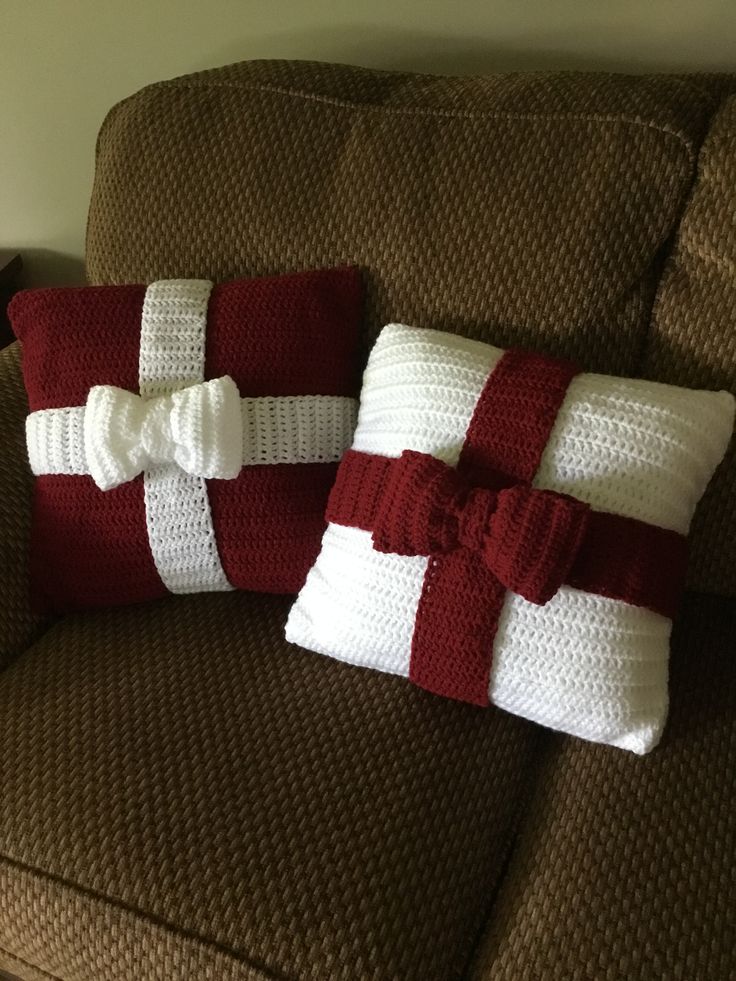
(206, 429)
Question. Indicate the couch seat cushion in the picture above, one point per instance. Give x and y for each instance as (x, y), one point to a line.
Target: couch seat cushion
(626, 868)
(183, 790)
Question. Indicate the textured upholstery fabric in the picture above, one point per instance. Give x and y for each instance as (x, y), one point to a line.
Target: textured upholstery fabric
(220, 809)
(511, 209)
(18, 623)
(693, 334)
(625, 870)
(293, 813)
(181, 793)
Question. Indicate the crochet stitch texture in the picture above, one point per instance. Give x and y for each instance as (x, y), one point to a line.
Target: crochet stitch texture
(586, 664)
(150, 392)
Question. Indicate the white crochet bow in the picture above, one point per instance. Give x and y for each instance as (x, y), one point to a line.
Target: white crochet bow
(199, 428)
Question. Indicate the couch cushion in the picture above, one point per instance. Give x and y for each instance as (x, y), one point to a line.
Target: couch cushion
(693, 334)
(176, 771)
(515, 209)
(626, 869)
(523, 209)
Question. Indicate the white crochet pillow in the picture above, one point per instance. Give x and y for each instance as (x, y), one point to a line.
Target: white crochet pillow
(582, 662)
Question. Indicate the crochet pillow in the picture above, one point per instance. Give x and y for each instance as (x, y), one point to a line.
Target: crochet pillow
(152, 480)
(508, 530)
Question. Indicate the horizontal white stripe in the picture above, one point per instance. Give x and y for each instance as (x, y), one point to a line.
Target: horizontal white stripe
(285, 429)
(297, 428)
(55, 440)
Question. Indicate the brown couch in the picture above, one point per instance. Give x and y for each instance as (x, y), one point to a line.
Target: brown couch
(186, 797)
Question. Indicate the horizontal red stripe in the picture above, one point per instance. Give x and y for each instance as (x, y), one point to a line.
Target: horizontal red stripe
(629, 560)
(621, 558)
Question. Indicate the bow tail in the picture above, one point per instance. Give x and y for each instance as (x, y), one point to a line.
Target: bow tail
(458, 611)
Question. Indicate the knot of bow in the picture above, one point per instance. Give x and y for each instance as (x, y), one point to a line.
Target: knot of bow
(528, 538)
(199, 428)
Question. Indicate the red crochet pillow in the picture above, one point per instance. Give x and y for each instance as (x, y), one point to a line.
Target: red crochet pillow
(116, 384)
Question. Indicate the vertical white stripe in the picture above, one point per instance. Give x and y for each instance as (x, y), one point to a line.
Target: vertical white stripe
(178, 518)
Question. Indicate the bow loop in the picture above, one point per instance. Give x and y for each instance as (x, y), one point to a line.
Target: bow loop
(419, 506)
(532, 539)
(199, 428)
(528, 538)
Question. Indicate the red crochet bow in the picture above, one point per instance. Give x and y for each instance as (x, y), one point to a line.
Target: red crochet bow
(528, 538)
(487, 530)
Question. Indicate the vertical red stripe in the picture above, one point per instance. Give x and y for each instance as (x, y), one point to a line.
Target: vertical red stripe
(461, 600)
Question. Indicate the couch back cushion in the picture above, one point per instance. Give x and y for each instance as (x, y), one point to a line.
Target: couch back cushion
(693, 335)
(515, 209)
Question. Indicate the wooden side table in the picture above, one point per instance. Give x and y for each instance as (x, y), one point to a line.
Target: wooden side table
(10, 267)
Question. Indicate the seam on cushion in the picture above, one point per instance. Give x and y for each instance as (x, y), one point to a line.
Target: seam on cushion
(111, 113)
(547, 741)
(268, 973)
(441, 113)
(708, 257)
(673, 243)
(35, 637)
(22, 960)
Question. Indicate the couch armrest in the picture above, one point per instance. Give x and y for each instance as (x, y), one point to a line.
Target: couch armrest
(18, 623)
